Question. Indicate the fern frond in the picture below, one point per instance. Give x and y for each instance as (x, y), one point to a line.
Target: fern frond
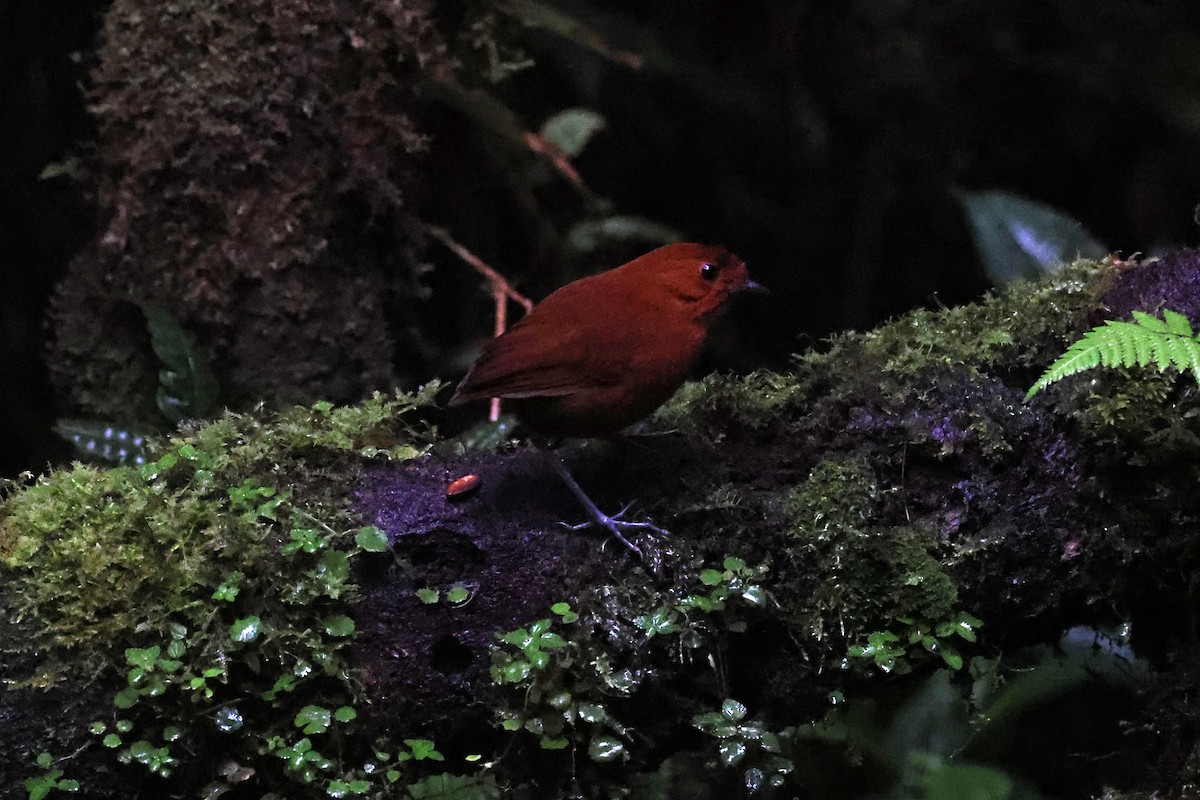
(1177, 323)
(1168, 343)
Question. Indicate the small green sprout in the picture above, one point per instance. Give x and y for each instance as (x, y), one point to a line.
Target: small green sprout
(746, 744)
(890, 651)
(49, 781)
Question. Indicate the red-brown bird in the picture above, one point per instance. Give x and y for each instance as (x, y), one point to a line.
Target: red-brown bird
(605, 351)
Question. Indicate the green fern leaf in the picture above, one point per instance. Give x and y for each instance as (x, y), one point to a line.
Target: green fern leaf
(1142, 348)
(1148, 341)
(1082, 355)
(1153, 323)
(1185, 355)
(1177, 323)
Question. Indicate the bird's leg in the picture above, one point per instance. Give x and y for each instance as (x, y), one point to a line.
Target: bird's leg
(613, 524)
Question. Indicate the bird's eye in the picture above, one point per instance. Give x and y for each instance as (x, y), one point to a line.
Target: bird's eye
(709, 271)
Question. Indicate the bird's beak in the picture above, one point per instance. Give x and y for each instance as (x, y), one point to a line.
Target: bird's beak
(754, 287)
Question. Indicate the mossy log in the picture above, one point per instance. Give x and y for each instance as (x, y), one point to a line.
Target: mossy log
(838, 532)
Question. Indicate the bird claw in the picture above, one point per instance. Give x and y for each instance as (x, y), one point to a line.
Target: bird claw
(615, 525)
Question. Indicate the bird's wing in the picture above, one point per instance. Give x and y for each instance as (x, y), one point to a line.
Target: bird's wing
(538, 358)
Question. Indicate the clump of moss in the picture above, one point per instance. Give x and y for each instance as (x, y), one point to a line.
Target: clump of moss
(716, 407)
(854, 572)
(254, 161)
(214, 580)
(101, 552)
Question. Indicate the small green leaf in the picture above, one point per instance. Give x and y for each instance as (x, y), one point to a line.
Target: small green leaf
(551, 641)
(245, 629)
(423, 749)
(519, 638)
(457, 594)
(345, 714)
(953, 660)
(187, 385)
(371, 539)
(733, 710)
(592, 713)
(428, 596)
(537, 658)
(126, 698)
(711, 577)
(731, 752)
(516, 672)
(335, 566)
(142, 657)
(564, 611)
(570, 130)
(338, 625)
(605, 748)
(313, 719)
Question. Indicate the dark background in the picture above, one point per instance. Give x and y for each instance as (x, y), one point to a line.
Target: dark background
(820, 141)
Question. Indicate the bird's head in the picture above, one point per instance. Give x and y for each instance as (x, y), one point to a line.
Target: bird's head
(701, 277)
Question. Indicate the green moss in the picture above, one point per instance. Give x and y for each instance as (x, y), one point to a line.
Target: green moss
(1138, 416)
(101, 553)
(1019, 328)
(955, 356)
(717, 405)
(214, 579)
(858, 572)
(838, 501)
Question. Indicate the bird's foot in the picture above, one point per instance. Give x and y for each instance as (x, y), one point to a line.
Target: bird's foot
(616, 526)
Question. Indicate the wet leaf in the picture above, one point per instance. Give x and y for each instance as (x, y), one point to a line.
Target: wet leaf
(187, 384)
(371, 539)
(245, 629)
(313, 719)
(731, 751)
(228, 719)
(571, 129)
(1019, 238)
(605, 748)
(338, 625)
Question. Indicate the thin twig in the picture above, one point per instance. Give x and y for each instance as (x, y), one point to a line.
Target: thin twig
(561, 161)
(502, 291)
(498, 281)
